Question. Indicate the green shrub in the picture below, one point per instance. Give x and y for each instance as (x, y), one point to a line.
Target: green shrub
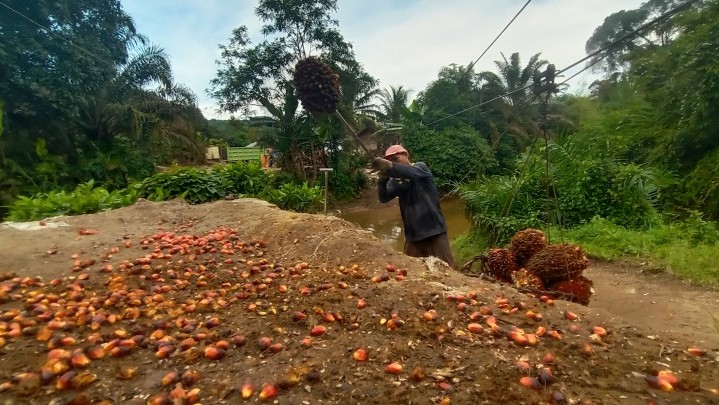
(86, 198)
(243, 178)
(454, 155)
(569, 192)
(194, 185)
(301, 198)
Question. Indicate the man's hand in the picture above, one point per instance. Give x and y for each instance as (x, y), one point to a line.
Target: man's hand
(381, 165)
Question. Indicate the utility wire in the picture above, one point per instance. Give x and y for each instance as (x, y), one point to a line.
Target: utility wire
(499, 35)
(591, 55)
(657, 20)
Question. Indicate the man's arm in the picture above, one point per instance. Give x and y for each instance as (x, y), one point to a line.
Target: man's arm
(387, 189)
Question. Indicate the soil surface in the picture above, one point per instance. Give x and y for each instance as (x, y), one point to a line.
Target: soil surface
(243, 300)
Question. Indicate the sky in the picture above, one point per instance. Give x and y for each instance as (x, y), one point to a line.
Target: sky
(399, 42)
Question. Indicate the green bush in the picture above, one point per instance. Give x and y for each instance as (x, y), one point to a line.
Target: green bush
(454, 155)
(194, 185)
(243, 178)
(302, 198)
(86, 198)
(569, 192)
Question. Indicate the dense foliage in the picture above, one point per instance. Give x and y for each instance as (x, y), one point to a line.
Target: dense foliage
(85, 97)
(191, 184)
(455, 155)
(251, 74)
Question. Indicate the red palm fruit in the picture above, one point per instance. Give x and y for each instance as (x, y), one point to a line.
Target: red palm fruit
(548, 358)
(599, 331)
(696, 351)
(264, 343)
(65, 381)
(268, 391)
(193, 396)
(187, 343)
(214, 353)
(668, 376)
(545, 376)
(190, 377)
(247, 390)
(212, 322)
(360, 354)
(170, 378)
(394, 368)
(276, 347)
(178, 394)
(318, 330)
(306, 342)
(475, 328)
(523, 367)
(239, 340)
(79, 359)
(531, 382)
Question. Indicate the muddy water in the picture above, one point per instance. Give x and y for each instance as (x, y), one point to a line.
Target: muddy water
(386, 224)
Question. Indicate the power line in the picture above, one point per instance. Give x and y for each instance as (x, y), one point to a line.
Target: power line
(633, 33)
(55, 34)
(499, 35)
(591, 55)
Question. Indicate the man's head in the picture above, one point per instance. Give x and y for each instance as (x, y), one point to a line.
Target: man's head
(397, 154)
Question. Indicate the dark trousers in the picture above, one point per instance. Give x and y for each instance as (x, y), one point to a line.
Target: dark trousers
(437, 245)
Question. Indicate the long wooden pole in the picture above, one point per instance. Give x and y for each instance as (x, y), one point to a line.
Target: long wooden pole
(354, 133)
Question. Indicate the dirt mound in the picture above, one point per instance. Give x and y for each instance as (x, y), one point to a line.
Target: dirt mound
(238, 294)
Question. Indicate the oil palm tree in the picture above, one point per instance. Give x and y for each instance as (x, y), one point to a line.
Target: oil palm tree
(127, 105)
(515, 112)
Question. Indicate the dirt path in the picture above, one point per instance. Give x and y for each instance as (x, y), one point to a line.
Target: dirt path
(656, 302)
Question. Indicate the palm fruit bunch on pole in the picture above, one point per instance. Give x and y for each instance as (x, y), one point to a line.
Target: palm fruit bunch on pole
(526, 243)
(317, 86)
(499, 263)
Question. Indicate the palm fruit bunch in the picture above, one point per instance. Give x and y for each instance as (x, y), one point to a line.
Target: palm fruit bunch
(524, 278)
(578, 289)
(317, 86)
(500, 264)
(526, 243)
(558, 262)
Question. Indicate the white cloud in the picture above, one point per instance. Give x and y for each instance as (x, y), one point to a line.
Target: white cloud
(400, 42)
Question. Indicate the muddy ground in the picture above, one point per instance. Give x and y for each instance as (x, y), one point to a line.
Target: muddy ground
(104, 308)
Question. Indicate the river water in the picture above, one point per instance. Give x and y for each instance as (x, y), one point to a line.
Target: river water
(385, 222)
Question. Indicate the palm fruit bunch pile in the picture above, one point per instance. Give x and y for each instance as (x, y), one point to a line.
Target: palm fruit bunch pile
(530, 263)
(317, 86)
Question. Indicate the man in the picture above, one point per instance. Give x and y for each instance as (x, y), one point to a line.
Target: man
(425, 230)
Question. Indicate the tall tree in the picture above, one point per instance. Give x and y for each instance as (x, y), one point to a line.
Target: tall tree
(619, 24)
(515, 112)
(251, 75)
